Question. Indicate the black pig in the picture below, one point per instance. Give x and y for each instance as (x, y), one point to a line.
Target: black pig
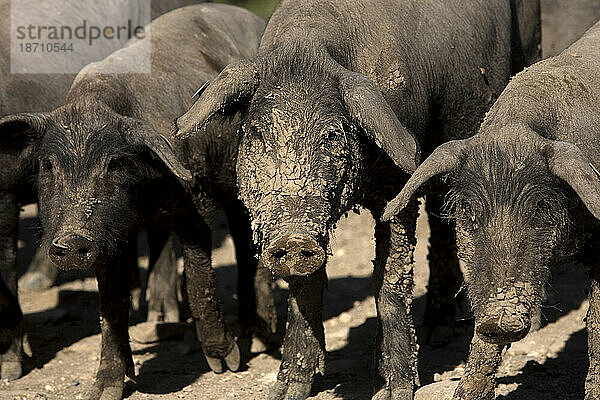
(41, 273)
(26, 93)
(327, 106)
(105, 170)
(525, 196)
(18, 93)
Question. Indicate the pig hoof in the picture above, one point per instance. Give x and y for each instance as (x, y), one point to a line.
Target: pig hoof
(102, 392)
(171, 315)
(258, 345)
(290, 391)
(215, 364)
(298, 391)
(154, 316)
(278, 391)
(35, 282)
(232, 360)
(402, 394)
(152, 332)
(262, 341)
(11, 370)
(394, 394)
(382, 394)
(474, 390)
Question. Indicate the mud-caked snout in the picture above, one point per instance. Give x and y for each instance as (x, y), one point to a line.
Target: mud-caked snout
(506, 318)
(294, 254)
(70, 250)
(503, 328)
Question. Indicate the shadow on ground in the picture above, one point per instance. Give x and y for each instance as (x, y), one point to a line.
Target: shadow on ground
(54, 329)
(564, 374)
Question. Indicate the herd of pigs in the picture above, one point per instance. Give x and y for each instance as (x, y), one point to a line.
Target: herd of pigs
(331, 106)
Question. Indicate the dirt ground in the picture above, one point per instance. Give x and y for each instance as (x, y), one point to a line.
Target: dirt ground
(64, 337)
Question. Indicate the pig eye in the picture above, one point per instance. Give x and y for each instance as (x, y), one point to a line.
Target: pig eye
(116, 165)
(253, 132)
(543, 213)
(333, 134)
(46, 165)
(543, 205)
(465, 208)
(467, 214)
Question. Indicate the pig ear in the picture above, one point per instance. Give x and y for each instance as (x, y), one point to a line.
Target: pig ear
(234, 85)
(22, 128)
(138, 133)
(445, 159)
(367, 108)
(568, 162)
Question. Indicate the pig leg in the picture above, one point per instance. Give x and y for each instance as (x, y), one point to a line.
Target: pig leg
(444, 276)
(133, 269)
(11, 317)
(162, 278)
(256, 307)
(479, 380)
(114, 283)
(592, 381)
(304, 342)
(265, 310)
(11, 334)
(217, 343)
(396, 347)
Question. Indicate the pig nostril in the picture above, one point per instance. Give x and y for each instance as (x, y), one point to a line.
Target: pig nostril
(279, 254)
(84, 251)
(307, 253)
(293, 254)
(489, 330)
(490, 335)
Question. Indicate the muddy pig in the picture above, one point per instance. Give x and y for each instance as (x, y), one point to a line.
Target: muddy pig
(34, 91)
(342, 97)
(27, 93)
(41, 273)
(105, 169)
(525, 196)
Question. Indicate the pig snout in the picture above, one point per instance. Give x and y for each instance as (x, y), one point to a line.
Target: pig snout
(294, 254)
(503, 328)
(507, 317)
(73, 251)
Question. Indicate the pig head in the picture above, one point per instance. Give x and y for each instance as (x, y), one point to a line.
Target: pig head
(89, 160)
(513, 196)
(305, 127)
